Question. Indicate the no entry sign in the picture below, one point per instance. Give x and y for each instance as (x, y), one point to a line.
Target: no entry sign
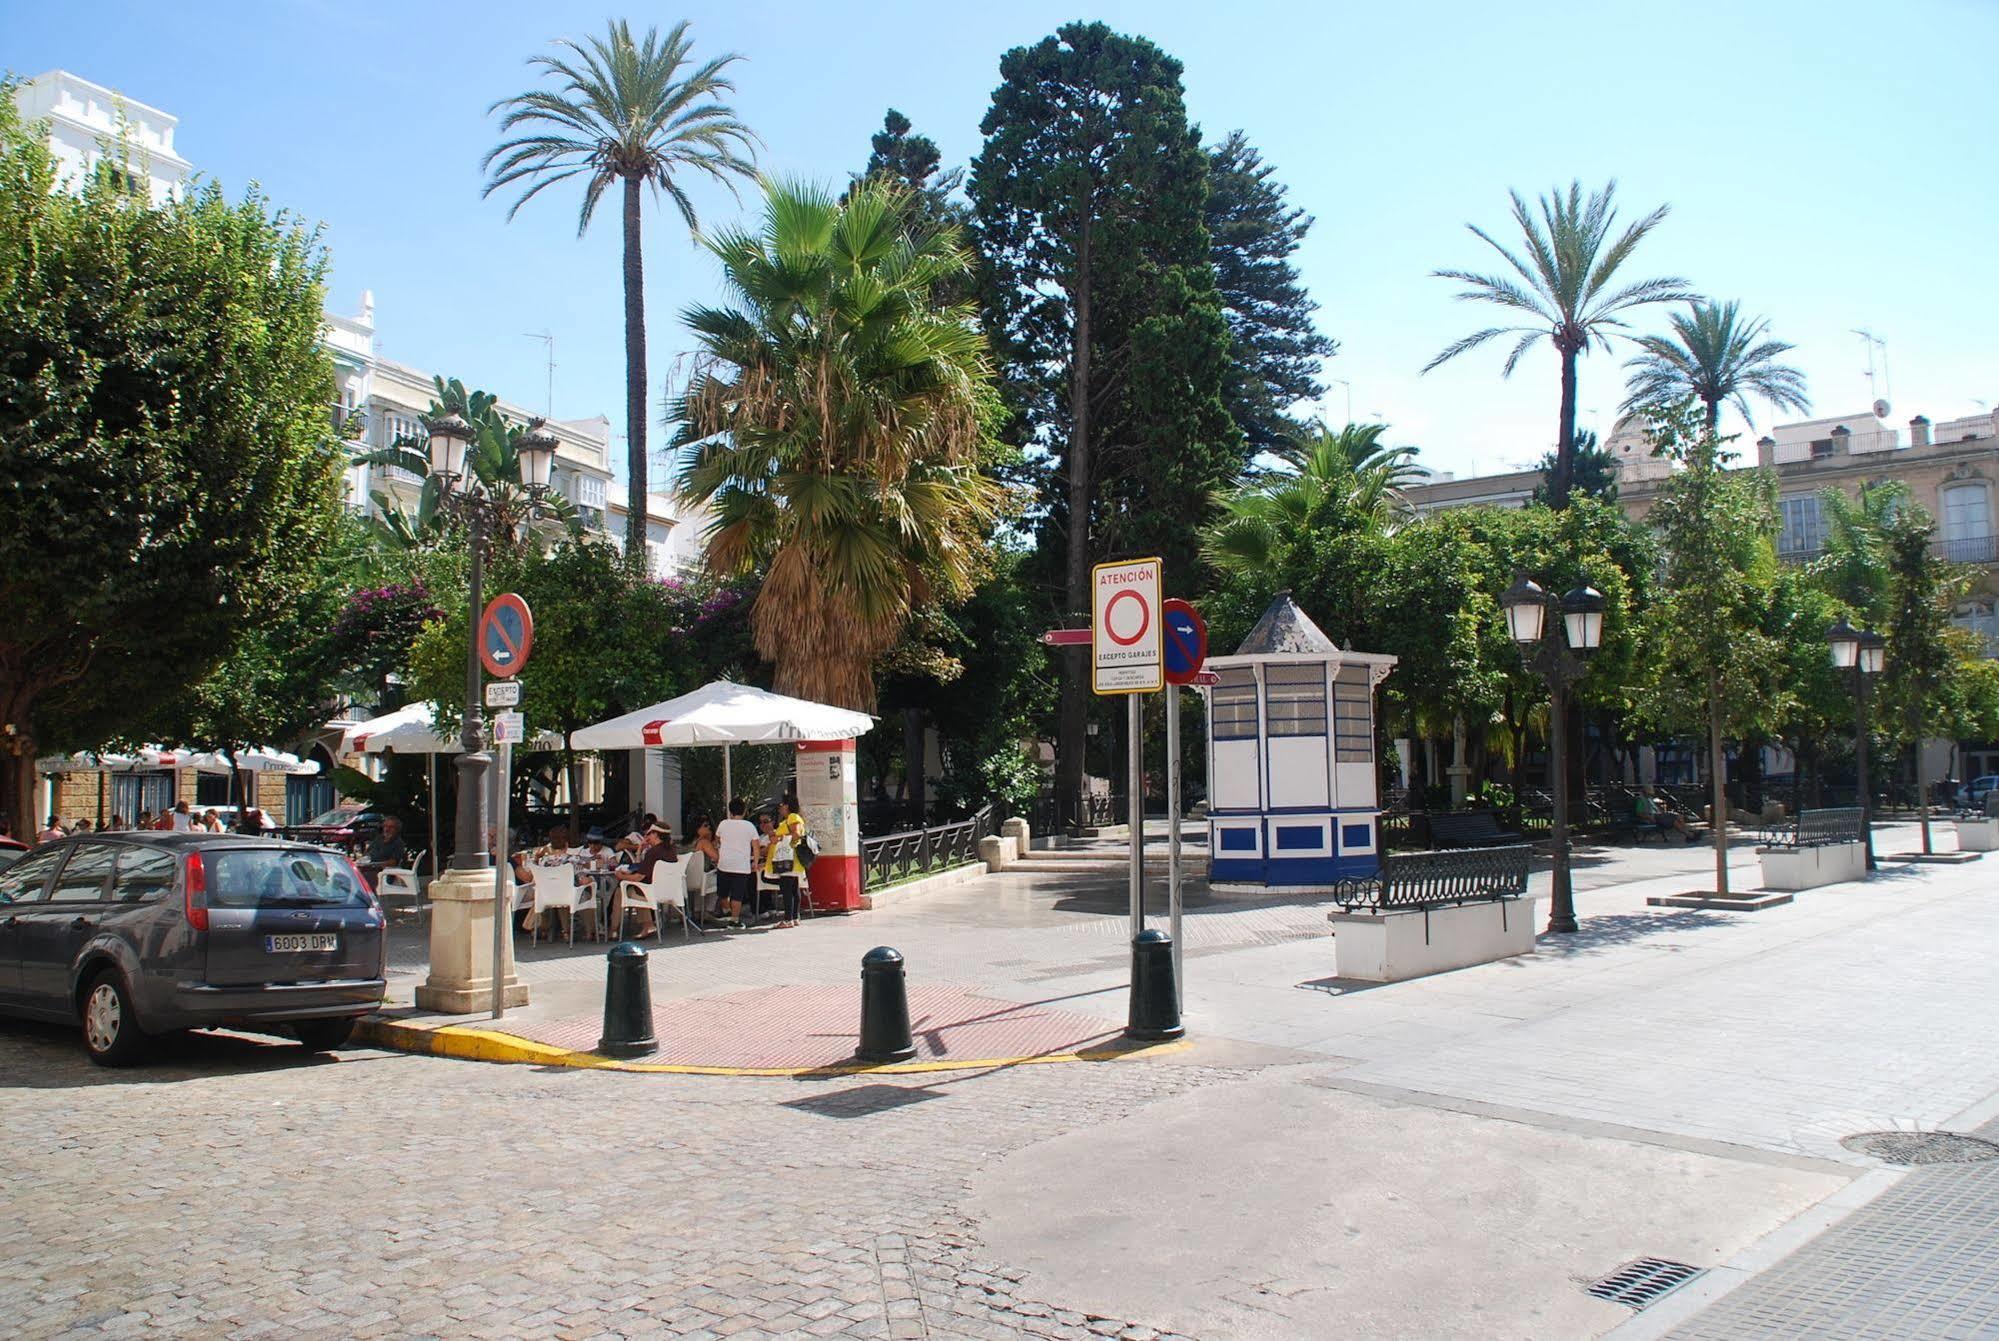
(1186, 641)
(506, 635)
(1127, 646)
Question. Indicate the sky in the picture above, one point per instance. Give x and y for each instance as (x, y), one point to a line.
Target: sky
(1830, 163)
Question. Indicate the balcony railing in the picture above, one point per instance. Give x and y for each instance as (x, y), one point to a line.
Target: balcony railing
(1978, 549)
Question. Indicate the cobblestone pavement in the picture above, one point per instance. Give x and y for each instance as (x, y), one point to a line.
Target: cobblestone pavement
(1921, 1260)
(238, 1190)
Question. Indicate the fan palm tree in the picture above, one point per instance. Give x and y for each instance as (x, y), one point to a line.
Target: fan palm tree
(632, 113)
(836, 421)
(1324, 471)
(1717, 357)
(1567, 291)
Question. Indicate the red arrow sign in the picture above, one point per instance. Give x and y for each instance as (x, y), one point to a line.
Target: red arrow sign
(1205, 678)
(1066, 638)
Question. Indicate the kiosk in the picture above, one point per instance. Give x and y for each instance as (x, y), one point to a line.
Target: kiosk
(1293, 791)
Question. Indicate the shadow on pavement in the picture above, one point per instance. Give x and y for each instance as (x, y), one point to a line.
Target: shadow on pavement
(51, 1056)
(1607, 931)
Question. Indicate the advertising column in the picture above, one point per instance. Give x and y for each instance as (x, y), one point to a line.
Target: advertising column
(830, 804)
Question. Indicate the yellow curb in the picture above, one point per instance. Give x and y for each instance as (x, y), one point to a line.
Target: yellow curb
(467, 1043)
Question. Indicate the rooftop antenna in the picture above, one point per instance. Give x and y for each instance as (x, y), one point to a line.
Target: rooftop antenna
(1886, 391)
(547, 339)
(1341, 381)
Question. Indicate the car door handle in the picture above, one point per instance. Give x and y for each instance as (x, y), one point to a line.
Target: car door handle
(80, 924)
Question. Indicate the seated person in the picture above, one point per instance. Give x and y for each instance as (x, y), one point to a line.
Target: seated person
(387, 848)
(596, 854)
(1654, 811)
(710, 901)
(659, 849)
(555, 852)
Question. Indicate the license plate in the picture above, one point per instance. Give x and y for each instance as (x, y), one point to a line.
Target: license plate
(309, 940)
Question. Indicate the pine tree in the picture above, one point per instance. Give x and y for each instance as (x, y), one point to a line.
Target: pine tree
(1100, 300)
(1276, 349)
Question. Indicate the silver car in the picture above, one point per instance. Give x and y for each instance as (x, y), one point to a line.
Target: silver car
(137, 934)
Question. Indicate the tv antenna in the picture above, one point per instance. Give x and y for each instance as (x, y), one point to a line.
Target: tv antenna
(1886, 391)
(547, 339)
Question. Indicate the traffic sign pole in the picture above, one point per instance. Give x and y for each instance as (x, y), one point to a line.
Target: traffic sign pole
(503, 872)
(1135, 806)
(1173, 829)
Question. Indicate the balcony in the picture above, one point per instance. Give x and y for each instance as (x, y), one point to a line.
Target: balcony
(1978, 549)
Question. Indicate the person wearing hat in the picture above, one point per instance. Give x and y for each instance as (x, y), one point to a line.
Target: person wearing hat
(659, 848)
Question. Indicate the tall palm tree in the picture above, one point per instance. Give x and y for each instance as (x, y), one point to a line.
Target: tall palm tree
(837, 421)
(1567, 291)
(627, 112)
(1716, 358)
(1323, 470)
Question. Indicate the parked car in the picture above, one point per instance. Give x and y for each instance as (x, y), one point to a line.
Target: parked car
(1972, 795)
(137, 934)
(342, 826)
(10, 852)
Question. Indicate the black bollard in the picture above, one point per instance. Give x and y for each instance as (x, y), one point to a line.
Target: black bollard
(627, 1003)
(1155, 1002)
(884, 1008)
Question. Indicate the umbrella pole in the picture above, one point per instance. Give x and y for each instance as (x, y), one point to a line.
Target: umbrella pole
(728, 787)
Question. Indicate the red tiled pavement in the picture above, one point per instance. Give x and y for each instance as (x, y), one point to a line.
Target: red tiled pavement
(810, 1026)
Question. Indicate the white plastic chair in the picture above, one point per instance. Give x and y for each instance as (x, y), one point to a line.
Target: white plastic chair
(557, 887)
(402, 882)
(667, 889)
(698, 882)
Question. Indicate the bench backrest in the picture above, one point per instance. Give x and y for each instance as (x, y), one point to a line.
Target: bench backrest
(1448, 876)
(1834, 824)
(1459, 825)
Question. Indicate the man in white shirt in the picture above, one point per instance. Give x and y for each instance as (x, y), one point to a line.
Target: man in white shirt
(736, 842)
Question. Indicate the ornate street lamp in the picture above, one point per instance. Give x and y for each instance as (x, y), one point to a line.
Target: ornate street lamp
(460, 493)
(1864, 654)
(1559, 664)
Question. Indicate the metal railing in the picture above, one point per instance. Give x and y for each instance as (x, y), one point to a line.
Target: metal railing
(898, 856)
(1415, 880)
(1976, 549)
(1816, 828)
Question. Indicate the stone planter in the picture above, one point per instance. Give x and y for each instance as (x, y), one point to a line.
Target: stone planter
(1978, 835)
(1796, 868)
(1410, 943)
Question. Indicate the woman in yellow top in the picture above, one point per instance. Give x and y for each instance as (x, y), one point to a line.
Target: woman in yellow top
(781, 863)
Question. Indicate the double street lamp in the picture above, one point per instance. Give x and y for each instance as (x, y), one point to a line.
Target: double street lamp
(1559, 663)
(461, 493)
(1864, 653)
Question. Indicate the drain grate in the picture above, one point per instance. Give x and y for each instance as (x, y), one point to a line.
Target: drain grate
(1642, 1283)
(1922, 1147)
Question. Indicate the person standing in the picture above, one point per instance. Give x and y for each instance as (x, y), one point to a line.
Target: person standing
(53, 832)
(735, 866)
(781, 860)
(181, 818)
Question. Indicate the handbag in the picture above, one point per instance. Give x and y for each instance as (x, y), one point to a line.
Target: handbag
(805, 850)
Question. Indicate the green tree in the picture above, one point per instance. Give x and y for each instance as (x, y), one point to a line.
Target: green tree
(1275, 347)
(630, 113)
(1100, 300)
(1321, 472)
(1714, 665)
(839, 421)
(1567, 291)
(169, 472)
(1594, 471)
(1925, 650)
(1714, 354)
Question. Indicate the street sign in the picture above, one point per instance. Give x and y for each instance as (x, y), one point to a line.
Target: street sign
(1126, 647)
(1066, 638)
(509, 728)
(506, 635)
(1186, 640)
(1205, 679)
(503, 694)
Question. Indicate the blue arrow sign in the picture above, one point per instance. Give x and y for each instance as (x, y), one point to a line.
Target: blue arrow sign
(1186, 641)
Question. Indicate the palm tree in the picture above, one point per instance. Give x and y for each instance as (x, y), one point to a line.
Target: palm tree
(1565, 290)
(1716, 358)
(624, 112)
(1328, 477)
(837, 420)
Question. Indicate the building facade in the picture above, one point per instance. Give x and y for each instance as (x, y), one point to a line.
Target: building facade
(93, 129)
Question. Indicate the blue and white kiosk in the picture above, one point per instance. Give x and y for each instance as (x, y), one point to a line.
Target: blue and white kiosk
(1293, 797)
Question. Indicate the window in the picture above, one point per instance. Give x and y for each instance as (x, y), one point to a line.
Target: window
(22, 882)
(1233, 705)
(589, 492)
(1353, 720)
(1802, 531)
(1821, 448)
(83, 875)
(282, 878)
(144, 874)
(1967, 523)
(1294, 698)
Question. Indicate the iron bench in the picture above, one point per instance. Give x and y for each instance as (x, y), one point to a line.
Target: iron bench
(1456, 829)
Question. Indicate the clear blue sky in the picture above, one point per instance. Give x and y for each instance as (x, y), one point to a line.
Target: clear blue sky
(1832, 163)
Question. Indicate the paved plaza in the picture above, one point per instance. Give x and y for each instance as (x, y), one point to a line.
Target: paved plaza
(1456, 1156)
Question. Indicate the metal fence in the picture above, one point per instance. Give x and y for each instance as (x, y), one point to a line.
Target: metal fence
(1816, 828)
(898, 856)
(1439, 879)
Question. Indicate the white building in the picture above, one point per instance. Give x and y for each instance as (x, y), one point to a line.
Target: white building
(93, 129)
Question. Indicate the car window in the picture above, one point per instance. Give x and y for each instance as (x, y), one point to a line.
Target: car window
(282, 877)
(143, 873)
(338, 817)
(22, 882)
(82, 878)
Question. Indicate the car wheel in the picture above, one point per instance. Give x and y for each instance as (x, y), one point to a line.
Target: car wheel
(111, 1030)
(324, 1035)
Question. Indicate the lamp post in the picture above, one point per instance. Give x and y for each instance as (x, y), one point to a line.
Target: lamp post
(1559, 664)
(461, 493)
(1865, 654)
